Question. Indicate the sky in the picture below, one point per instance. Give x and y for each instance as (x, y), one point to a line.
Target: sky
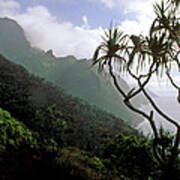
(73, 27)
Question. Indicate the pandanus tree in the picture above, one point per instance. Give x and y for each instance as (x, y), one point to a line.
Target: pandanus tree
(144, 57)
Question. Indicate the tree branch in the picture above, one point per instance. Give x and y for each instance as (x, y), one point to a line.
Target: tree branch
(114, 79)
(149, 74)
(156, 108)
(171, 79)
(148, 117)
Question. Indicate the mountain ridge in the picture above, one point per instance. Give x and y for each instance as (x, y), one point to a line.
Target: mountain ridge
(77, 77)
(41, 105)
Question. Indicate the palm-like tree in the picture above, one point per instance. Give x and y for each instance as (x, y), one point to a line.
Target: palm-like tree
(167, 23)
(161, 49)
(113, 44)
(175, 2)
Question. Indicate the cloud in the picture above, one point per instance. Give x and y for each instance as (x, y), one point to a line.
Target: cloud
(44, 31)
(138, 14)
(108, 3)
(86, 24)
(135, 5)
(142, 16)
(8, 7)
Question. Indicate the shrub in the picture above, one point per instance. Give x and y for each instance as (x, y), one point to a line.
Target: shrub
(130, 156)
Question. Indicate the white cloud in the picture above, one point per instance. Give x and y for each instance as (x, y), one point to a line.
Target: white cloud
(44, 31)
(86, 24)
(8, 7)
(143, 15)
(141, 12)
(135, 5)
(108, 3)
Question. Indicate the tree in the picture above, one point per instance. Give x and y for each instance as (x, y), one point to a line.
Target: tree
(154, 54)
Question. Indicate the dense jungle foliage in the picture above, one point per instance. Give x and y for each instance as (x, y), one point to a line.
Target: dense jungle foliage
(45, 108)
(46, 133)
(45, 121)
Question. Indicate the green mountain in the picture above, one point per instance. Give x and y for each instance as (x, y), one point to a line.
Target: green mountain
(46, 133)
(77, 77)
(44, 108)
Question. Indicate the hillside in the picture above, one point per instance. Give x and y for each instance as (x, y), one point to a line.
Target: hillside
(31, 99)
(76, 77)
(49, 134)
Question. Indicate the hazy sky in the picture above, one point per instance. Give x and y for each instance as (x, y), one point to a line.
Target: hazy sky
(72, 27)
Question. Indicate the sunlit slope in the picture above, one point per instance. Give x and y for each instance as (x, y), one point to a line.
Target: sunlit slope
(76, 77)
(41, 106)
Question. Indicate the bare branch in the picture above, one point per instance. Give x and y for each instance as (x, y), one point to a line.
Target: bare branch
(115, 79)
(138, 78)
(171, 79)
(156, 107)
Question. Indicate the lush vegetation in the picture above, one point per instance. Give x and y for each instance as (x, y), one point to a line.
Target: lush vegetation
(143, 57)
(42, 106)
(46, 121)
(47, 133)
